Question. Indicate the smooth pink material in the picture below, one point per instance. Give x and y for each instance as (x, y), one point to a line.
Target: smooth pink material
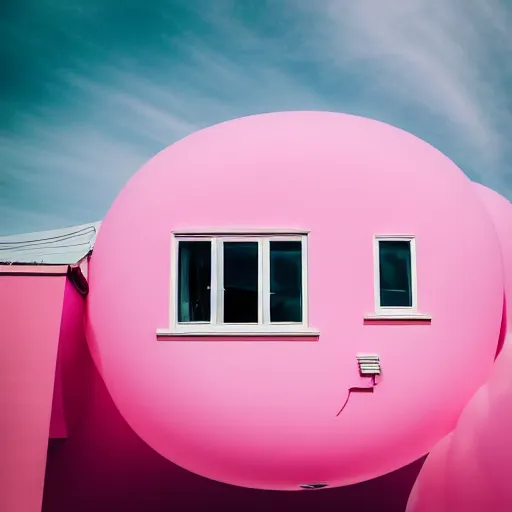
(429, 491)
(500, 210)
(466, 469)
(104, 466)
(58, 427)
(263, 414)
(479, 461)
(29, 333)
(474, 474)
(71, 328)
(33, 270)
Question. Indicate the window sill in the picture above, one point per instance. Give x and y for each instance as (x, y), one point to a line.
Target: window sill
(255, 333)
(398, 317)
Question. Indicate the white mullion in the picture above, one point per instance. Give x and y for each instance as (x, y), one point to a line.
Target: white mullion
(305, 277)
(174, 299)
(376, 273)
(213, 283)
(220, 280)
(264, 284)
(414, 275)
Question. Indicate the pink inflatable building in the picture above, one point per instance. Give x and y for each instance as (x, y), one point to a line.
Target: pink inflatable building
(291, 301)
(468, 469)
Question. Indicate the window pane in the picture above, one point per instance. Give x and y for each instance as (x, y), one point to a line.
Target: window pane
(194, 281)
(395, 274)
(240, 282)
(286, 281)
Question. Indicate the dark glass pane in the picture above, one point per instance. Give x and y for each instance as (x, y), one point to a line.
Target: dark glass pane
(286, 281)
(240, 282)
(395, 274)
(194, 281)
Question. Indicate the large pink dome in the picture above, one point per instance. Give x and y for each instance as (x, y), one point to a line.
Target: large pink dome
(262, 410)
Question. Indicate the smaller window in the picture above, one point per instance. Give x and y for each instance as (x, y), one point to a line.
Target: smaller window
(395, 275)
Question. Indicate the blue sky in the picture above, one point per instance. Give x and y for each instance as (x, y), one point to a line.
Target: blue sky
(91, 89)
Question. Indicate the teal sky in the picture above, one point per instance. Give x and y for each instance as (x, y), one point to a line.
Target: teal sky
(91, 89)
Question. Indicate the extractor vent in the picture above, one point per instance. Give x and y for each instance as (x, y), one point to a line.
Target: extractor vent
(369, 364)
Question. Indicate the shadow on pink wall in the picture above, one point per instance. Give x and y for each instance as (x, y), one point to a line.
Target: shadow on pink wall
(503, 327)
(104, 466)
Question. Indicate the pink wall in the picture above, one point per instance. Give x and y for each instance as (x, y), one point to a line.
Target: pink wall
(30, 306)
(103, 466)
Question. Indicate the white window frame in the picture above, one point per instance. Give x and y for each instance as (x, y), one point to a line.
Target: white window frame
(215, 327)
(392, 311)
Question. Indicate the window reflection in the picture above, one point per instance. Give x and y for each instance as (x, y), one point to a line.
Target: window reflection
(240, 282)
(286, 281)
(194, 271)
(395, 273)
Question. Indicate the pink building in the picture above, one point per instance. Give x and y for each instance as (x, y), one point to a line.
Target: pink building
(280, 302)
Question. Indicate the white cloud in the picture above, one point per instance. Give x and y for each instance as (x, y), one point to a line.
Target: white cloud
(435, 54)
(124, 100)
(120, 117)
(63, 175)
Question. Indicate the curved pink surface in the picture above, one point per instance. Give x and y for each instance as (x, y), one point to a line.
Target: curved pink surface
(500, 211)
(467, 470)
(262, 413)
(470, 470)
(429, 491)
(479, 461)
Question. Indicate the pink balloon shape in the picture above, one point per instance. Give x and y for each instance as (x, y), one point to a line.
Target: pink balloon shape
(480, 457)
(429, 491)
(468, 469)
(500, 210)
(262, 412)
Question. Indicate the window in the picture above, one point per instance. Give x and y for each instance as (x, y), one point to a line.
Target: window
(285, 281)
(194, 276)
(239, 283)
(240, 269)
(395, 275)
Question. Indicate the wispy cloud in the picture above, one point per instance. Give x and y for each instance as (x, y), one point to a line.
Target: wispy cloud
(445, 56)
(107, 101)
(69, 161)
